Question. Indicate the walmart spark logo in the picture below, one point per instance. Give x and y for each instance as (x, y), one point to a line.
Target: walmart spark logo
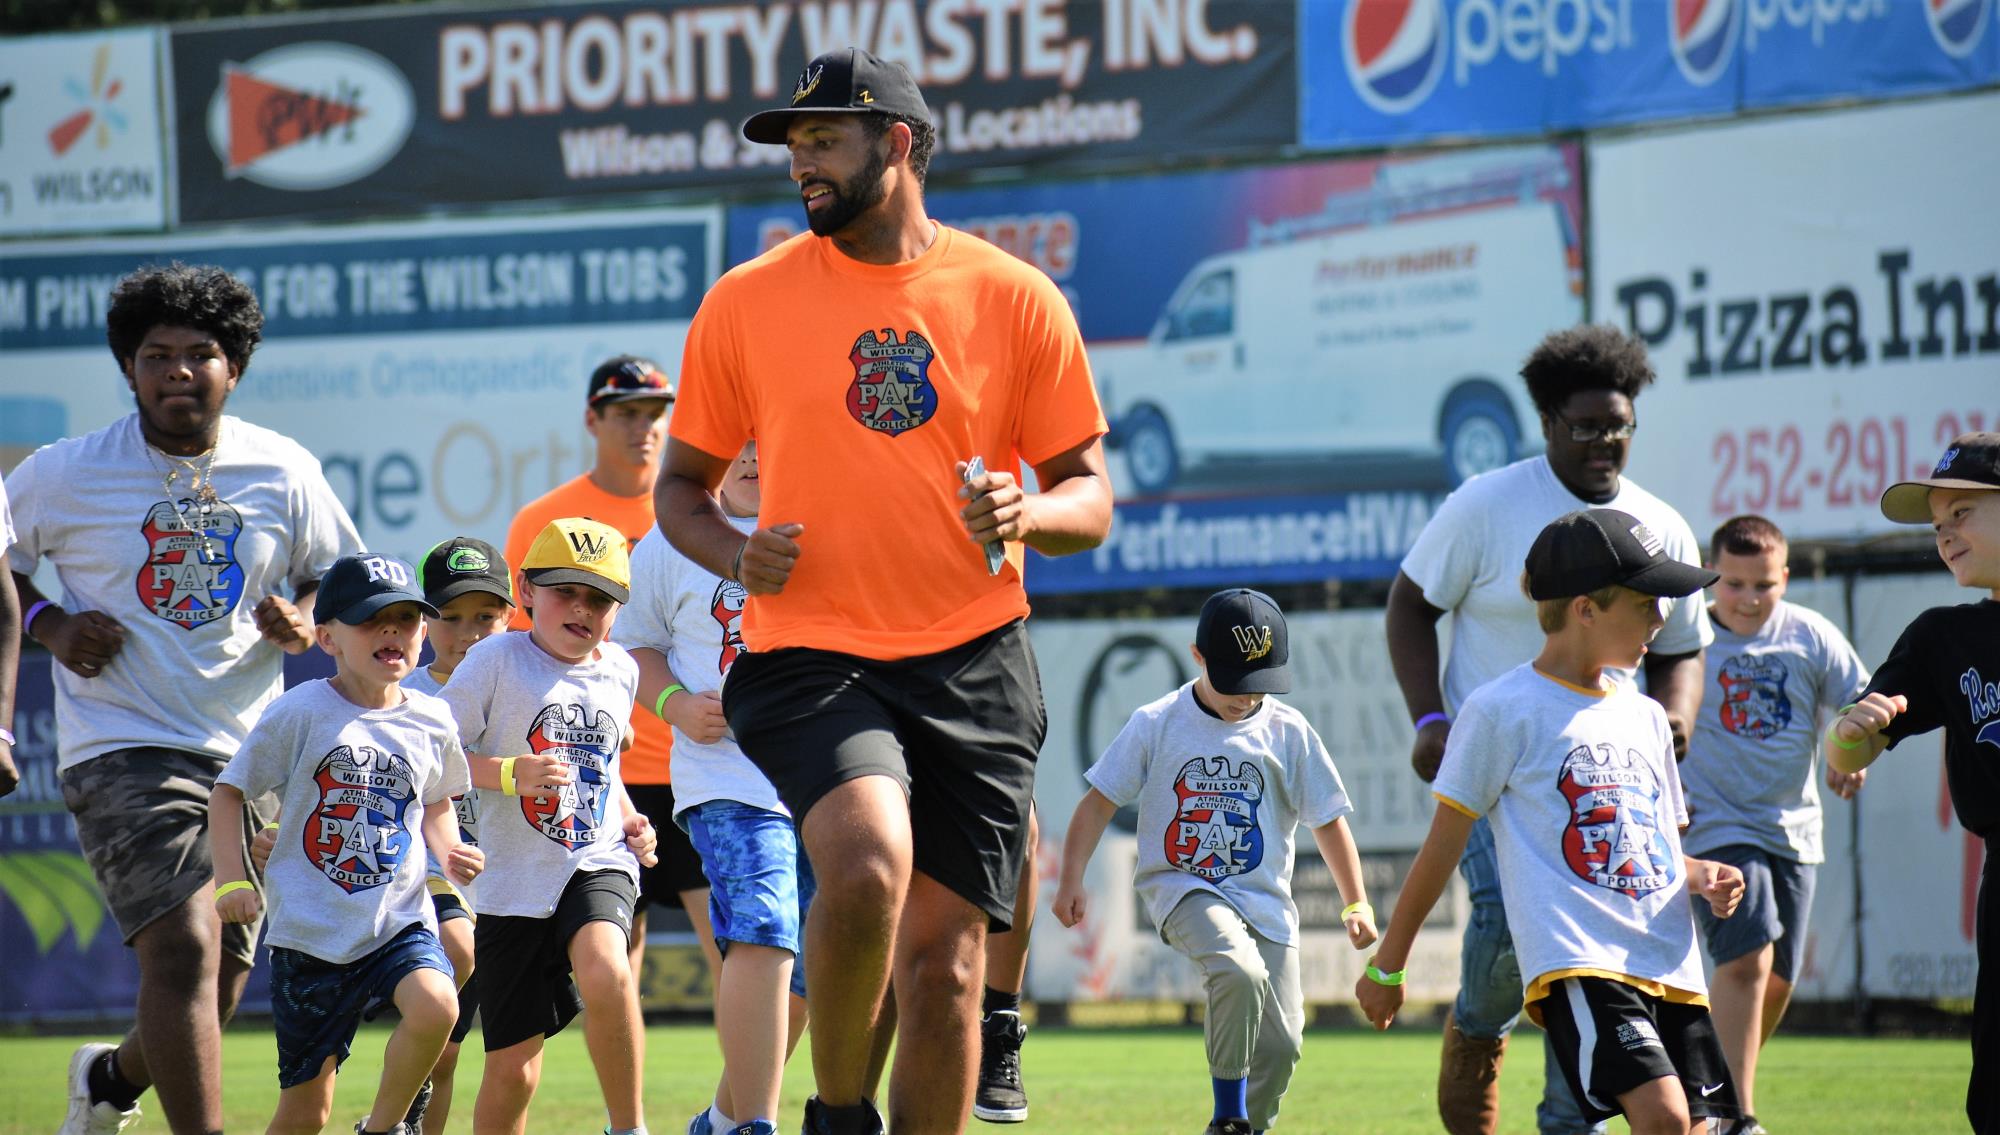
(97, 106)
(52, 890)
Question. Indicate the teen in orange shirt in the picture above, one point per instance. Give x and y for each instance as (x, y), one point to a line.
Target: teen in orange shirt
(625, 411)
(889, 692)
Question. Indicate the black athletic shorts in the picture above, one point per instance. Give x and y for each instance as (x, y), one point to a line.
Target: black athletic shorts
(679, 868)
(960, 730)
(1610, 1037)
(523, 963)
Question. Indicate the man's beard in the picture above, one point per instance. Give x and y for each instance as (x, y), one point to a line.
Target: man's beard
(861, 193)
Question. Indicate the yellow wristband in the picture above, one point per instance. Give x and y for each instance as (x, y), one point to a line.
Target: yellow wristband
(660, 703)
(1380, 978)
(1354, 908)
(238, 885)
(271, 826)
(507, 776)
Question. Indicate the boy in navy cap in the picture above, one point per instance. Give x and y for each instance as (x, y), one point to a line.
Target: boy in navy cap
(367, 772)
(1223, 774)
(1575, 770)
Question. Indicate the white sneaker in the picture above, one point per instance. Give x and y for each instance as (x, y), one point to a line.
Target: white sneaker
(85, 1117)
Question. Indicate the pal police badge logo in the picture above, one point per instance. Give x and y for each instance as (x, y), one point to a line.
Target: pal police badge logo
(191, 577)
(1753, 696)
(586, 740)
(1214, 832)
(727, 607)
(1614, 839)
(892, 392)
(356, 835)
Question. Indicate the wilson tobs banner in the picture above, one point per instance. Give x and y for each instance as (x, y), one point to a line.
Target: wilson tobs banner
(346, 117)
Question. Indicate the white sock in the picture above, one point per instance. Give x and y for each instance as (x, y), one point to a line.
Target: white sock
(719, 1121)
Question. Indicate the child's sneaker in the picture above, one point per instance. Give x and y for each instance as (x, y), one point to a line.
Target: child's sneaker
(361, 1128)
(1229, 1127)
(413, 1120)
(755, 1127)
(701, 1124)
(1001, 1098)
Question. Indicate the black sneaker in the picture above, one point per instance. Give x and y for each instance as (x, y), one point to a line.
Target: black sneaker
(413, 1120)
(1001, 1097)
(1230, 1127)
(819, 1122)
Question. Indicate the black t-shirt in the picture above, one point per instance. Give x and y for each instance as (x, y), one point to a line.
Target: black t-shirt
(1947, 663)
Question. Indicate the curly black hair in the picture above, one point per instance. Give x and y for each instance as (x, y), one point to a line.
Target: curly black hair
(1592, 357)
(203, 297)
(923, 139)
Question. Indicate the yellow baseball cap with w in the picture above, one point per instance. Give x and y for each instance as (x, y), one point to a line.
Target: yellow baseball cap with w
(575, 550)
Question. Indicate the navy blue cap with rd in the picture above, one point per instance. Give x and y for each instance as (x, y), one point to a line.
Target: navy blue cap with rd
(361, 584)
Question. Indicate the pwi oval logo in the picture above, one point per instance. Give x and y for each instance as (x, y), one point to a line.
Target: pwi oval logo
(310, 116)
(1702, 35)
(1394, 51)
(1958, 25)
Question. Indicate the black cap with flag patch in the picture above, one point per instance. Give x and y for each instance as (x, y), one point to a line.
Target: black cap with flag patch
(1243, 643)
(1593, 549)
(847, 81)
(1972, 461)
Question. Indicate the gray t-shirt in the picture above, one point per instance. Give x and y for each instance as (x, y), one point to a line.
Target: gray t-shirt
(695, 618)
(1468, 561)
(1586, 811)
(465, 805)
(1220, 804)
(194, 672)
(347, 873)
(512, 698)
(1751, 768)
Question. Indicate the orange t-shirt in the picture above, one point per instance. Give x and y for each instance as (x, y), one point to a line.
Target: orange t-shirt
(652, 739)
(864, 384)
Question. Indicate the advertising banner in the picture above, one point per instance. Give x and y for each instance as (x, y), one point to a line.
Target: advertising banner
(80, 134)
(1387, 71)
(1095, 673)
(1817, 338)
(1298, 361)
(437, 370)
(406, 113)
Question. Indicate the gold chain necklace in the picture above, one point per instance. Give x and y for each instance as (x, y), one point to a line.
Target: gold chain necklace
(194, 509)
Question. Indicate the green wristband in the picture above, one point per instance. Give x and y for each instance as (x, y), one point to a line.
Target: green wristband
(1380, 978)
(660, 703)
(1833, 738)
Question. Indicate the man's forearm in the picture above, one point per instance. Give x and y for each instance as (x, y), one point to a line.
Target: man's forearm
(1073, 515)
(1410, 624)
(693, 522)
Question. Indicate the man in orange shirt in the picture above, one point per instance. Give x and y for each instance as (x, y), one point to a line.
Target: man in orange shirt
(625, 412)
(889, 691)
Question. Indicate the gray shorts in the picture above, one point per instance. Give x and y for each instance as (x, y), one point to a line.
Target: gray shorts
(1776, 909)
(142, 819)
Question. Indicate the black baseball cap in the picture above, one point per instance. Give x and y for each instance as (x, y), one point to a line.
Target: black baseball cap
(1242, 639)
(461, 566)
(623, 378)
(362, 583)
(1593, 549)
(847, 81)
(1972, 461)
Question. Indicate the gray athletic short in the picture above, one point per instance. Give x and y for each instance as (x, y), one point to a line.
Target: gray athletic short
(142, 819)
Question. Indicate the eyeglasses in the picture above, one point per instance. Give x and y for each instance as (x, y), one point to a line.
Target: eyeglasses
(1583, 435)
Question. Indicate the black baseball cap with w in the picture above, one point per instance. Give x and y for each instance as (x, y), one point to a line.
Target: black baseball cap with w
(1243, 642)
(847, 81)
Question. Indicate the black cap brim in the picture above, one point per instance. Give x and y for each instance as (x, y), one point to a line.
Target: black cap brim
(602, 399)
(1909, 502)
(1671, 579)
(458, 587)
(542, 577)
(1269, 680)
(362, 610)
(770, 127)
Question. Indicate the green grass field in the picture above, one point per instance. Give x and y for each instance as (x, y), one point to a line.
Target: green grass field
(1123, 1082)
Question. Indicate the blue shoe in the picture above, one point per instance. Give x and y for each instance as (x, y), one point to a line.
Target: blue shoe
(756, 1127)
(701, 1124)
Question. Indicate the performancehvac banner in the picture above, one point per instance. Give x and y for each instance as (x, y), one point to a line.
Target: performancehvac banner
(1387, 71)
(1319, 353)
(1095, 673)
(1821, 296)
(80, 134)
(335, 116)
(436, 369)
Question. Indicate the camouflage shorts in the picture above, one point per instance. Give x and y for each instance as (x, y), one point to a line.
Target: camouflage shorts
(142, 819)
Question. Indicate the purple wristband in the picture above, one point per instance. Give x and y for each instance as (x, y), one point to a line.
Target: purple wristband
(28, 620)
(1427, 718)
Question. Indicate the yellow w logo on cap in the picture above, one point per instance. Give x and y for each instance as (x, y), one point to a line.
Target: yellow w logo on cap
(808, 82)
(1254, 642)
(589, 549)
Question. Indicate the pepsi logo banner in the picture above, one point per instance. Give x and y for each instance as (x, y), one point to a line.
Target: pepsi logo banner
(335, 117)
(1381, 71)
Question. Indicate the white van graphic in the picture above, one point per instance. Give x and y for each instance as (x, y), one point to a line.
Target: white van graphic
(1382, 333)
